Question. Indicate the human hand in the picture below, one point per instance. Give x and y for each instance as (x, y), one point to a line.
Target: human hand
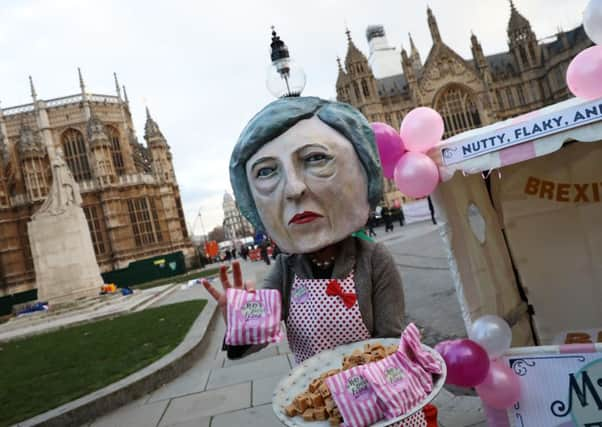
(223, 277)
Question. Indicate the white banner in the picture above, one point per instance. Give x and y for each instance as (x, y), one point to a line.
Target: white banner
(533, 128)
(558, 390)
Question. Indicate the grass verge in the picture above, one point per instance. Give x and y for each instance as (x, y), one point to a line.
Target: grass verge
(46, 371)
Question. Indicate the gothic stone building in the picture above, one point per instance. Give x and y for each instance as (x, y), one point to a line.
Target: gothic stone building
(129, 191)
(236, 226)
(468, 93)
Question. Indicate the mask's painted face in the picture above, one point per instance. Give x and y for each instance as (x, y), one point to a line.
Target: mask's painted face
(309, 187)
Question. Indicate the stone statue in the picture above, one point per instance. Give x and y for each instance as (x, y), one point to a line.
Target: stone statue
(63, 192)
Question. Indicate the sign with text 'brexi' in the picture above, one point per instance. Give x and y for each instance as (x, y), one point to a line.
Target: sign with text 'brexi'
(535, 127)
(558, 390)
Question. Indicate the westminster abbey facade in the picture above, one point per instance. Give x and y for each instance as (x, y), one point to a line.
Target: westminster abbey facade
(129, 191)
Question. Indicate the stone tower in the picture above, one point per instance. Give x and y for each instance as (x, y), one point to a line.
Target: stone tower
(522, 41)
(363, 92)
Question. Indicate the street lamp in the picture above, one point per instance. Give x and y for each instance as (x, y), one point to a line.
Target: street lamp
(284, 78)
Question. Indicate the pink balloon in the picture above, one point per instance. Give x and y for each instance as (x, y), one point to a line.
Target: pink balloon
(501, 388)
(584, 75)
(467, 362)
(390, 147)
(421, 129)
(416, 175)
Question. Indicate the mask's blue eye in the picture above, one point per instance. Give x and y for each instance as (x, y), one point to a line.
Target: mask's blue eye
(265, 171)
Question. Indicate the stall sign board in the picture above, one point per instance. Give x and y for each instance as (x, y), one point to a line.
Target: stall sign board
(479, 143)
(558, 390)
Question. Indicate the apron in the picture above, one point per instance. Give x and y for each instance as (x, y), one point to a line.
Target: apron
(317, 321)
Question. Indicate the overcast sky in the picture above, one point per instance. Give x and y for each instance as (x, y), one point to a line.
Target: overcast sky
(200, 66)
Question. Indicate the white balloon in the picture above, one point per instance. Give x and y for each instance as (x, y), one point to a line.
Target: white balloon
(492, 333)
(592, 21)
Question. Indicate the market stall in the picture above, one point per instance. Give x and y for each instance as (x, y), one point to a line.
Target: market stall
(521, 203)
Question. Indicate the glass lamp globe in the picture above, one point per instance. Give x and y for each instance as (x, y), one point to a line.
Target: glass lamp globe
(285, 78)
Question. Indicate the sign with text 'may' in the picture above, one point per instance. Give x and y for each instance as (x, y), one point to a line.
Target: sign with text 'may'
(558, 390)
(528, 130)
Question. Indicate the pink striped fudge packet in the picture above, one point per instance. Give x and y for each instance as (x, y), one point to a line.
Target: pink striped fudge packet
(411, 346)
(355, 398)
(398, 384)
(253, 317)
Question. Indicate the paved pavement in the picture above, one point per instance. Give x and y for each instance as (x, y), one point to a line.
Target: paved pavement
(217, 392)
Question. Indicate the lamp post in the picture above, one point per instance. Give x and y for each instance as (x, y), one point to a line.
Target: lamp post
(284, 78)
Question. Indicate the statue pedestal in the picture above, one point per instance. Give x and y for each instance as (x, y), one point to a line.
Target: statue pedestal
(63, 255)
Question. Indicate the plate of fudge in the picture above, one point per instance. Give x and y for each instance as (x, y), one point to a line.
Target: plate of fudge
(376, 382)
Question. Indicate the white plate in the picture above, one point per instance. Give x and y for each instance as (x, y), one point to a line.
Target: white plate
(299, 378)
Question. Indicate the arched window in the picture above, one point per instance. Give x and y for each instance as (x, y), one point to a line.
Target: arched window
(356, 89)
(76, 155)
(500, 101)
(116, 150)
(521, 95)
(523, 55)
(365, 88)
(458, 109)
(510, 97)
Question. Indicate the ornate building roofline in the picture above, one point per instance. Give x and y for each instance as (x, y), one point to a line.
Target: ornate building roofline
(59, 102)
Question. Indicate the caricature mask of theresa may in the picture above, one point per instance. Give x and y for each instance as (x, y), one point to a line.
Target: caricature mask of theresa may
(306, 171)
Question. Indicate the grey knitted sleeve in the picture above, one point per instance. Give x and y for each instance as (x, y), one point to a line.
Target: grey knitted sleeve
(387, 294)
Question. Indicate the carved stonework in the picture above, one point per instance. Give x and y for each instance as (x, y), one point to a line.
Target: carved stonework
(64, 191)
(30, 142)
(97, 134)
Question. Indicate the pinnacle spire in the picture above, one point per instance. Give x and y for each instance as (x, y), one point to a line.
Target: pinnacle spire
(82, 86)
(117, 88)
(517, 21)
(432, 21)
(148, 116)
(34, 95)
(339, 63)
(125, 95)
(348, 35)
(412, 45)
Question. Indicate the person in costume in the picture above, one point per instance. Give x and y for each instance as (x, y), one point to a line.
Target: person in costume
(306, 171)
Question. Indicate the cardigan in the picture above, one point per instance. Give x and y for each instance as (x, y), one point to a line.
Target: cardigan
(377, 283)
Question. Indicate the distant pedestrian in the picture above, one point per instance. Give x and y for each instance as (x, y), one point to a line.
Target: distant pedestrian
(432, 209)
(233, 253)
(264, 251)
(401, 217)
(388, 218)
(370, 224)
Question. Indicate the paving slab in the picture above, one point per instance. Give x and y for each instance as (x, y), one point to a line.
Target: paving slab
(263, 390)
(199, 422)
(131, 416)
(213, 402)
(188, 383)
(270, 351)
(461, 411)
(260, 416)
(271, 367)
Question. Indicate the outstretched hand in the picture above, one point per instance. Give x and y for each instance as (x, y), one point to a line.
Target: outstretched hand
(220, 297)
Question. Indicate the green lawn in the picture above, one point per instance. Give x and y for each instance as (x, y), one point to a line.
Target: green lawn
(46, 371)
(181, 278)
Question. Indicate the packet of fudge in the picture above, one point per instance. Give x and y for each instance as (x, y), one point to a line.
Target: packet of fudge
(410, 346)
(403, 379)
(354, 397)
(253, 317)
(398, 384)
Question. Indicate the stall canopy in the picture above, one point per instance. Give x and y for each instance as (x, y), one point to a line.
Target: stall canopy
(522, 204)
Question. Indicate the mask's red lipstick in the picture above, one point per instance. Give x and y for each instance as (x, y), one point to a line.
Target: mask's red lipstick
(304, 217)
